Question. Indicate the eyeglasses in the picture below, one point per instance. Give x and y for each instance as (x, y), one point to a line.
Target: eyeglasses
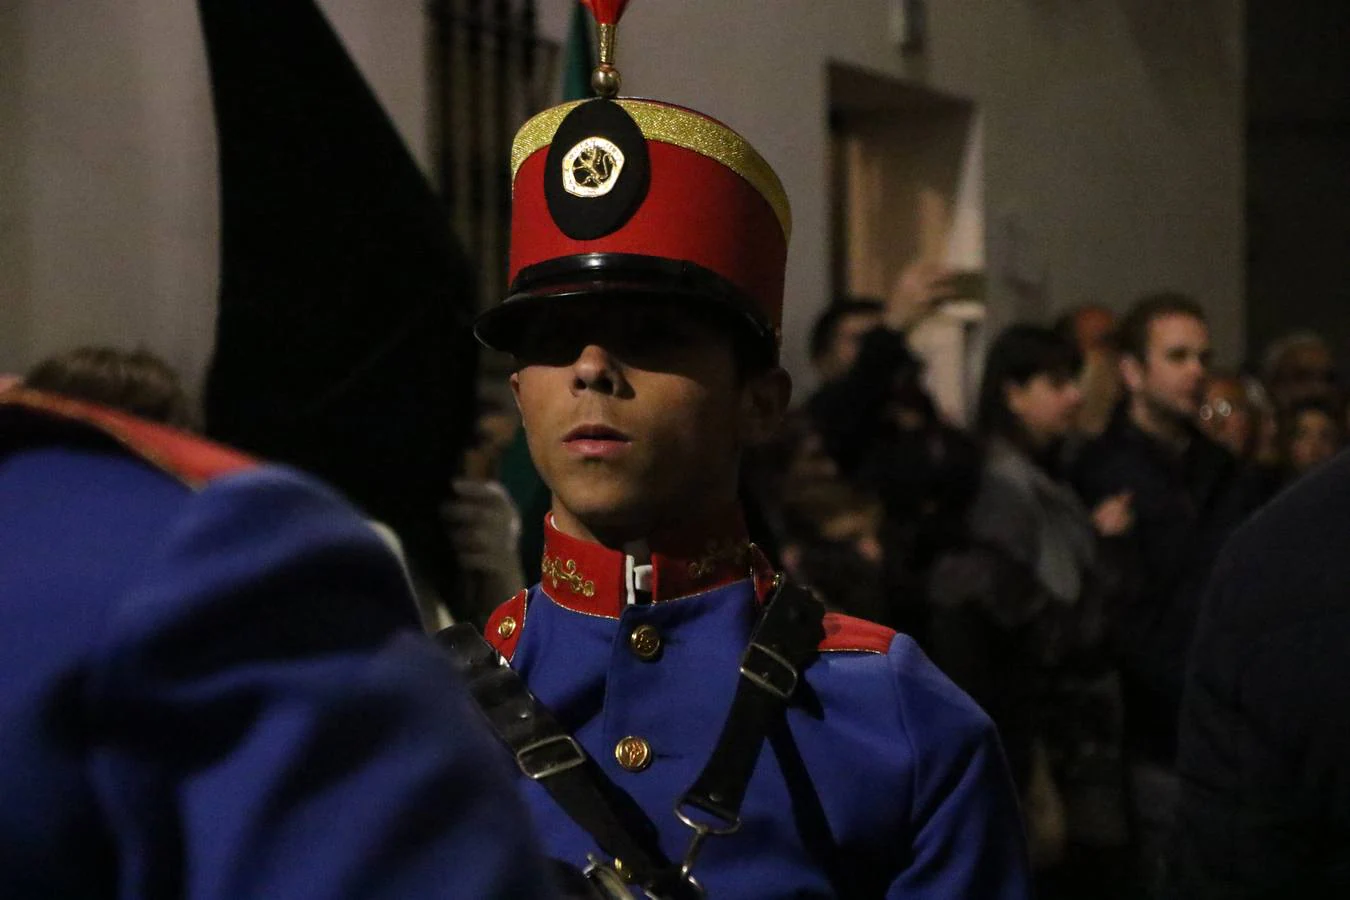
(1220, 409)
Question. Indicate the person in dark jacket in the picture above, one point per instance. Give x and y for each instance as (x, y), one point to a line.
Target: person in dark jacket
(1018, 613)
(838, 332)
(1187, 498)
(1264, 753)
(883, 430)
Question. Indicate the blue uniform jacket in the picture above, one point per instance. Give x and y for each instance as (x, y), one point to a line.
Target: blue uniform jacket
(886, 782)
(210, 686)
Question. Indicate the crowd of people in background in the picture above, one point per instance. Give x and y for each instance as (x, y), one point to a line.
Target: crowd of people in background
(1051, 558)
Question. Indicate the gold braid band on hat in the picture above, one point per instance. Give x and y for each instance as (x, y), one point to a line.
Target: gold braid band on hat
(680, 128)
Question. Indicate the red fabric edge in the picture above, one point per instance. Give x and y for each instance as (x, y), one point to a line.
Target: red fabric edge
(188, 458)
(845, 633)
(515, 608)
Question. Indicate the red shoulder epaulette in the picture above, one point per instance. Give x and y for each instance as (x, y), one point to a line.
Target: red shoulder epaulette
(186, 457)
(845, 633)
(505, 625)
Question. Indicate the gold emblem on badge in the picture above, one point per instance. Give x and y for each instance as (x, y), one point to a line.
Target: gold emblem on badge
(592, 167)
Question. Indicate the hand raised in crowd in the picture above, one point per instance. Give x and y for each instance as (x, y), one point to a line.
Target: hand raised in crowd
(1114, 516)
(484, 527)
(917, 291)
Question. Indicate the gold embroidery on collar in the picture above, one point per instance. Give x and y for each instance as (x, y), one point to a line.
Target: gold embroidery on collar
(566, 573)
(733, 552)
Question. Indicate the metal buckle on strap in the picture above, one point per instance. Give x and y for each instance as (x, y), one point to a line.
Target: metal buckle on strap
(724, 823)
(702, 831)
(779, 679)
(607, 880)
(575, 757)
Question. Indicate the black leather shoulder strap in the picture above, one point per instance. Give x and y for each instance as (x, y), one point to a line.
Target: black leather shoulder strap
(546, 753)
(782, 645)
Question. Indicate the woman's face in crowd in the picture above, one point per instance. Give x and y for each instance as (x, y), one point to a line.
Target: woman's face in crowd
(1046, 405)
(1316, 438)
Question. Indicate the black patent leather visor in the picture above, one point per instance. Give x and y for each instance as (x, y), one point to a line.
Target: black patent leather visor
(630, 276)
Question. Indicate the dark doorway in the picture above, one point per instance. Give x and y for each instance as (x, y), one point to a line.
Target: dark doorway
(1298, 173)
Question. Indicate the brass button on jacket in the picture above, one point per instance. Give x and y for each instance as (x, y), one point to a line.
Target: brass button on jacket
(633, 753)
(506, 627)
(645, 642)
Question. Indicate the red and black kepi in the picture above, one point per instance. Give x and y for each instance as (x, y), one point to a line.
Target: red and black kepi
(634, 198)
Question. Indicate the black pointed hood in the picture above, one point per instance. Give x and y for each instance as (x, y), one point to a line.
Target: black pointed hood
(343, 344)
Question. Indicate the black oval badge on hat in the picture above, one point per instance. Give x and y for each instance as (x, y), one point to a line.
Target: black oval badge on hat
(597, 172)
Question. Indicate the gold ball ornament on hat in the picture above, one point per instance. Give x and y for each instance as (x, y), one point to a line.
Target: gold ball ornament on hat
(605, 80)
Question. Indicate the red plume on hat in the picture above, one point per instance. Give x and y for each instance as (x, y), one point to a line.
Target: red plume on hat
(606, 12)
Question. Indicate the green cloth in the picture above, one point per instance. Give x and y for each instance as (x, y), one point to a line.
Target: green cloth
(579, 58)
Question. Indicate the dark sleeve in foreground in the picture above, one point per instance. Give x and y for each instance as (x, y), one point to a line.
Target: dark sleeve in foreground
(265, 723)
(1264, 752)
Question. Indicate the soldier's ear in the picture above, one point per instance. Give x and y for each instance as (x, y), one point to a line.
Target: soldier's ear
(514, 381)
(764, 402)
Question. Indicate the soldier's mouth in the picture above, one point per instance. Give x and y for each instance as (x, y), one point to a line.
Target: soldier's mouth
(596, 441)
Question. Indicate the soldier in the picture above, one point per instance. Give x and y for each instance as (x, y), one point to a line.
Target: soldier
(682, 715)
(212, 688)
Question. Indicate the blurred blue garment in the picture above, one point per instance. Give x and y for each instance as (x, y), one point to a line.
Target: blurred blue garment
(211, 685)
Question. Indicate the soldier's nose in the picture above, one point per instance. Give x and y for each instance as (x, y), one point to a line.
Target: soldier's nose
(594, 369)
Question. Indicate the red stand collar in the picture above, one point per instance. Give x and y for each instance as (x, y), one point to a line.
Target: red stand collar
(590, 578)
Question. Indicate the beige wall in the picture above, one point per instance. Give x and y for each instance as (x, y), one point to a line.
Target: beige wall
(108, 206)
(1111, 132)
(14, 229)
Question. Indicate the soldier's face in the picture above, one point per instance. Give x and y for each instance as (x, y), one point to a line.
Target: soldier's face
(636, 414)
